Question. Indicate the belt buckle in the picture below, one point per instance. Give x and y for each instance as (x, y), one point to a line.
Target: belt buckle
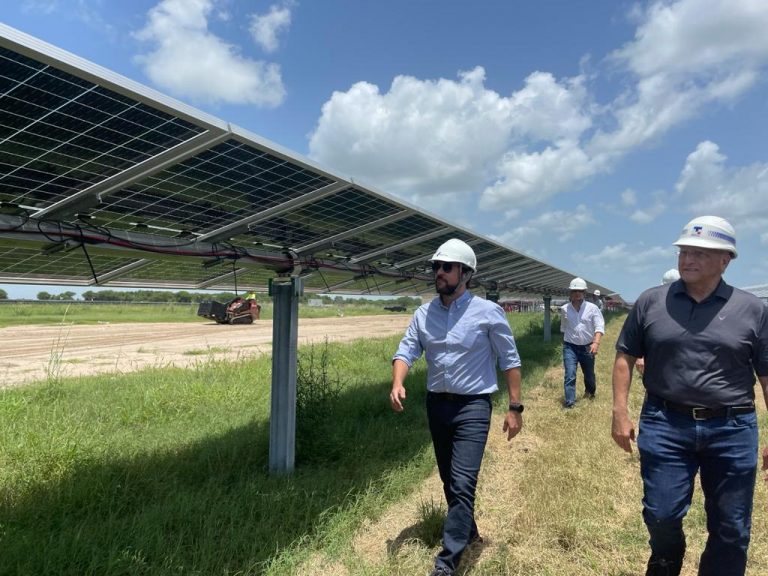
(695, 413)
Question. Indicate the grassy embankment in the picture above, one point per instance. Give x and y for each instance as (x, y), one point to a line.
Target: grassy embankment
(163, 472)
(18, 314)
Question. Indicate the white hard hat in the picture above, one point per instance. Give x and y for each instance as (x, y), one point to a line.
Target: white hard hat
(597, 292)
(710, 232)
(671, 275)
(455, 250)
(577, 284)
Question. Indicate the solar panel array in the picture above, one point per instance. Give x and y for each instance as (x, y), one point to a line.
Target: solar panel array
(106, 182)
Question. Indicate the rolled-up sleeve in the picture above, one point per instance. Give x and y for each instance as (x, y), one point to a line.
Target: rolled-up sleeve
(598, 321)
(410, 348)
(502, 340)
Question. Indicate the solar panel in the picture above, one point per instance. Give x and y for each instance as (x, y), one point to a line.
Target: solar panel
(106, 182)
(61, 134)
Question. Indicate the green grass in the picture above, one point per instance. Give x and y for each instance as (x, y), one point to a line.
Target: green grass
(164, 472)
(209, 351)
(26, 313)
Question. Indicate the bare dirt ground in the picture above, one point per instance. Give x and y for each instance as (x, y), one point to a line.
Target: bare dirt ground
(30, 353)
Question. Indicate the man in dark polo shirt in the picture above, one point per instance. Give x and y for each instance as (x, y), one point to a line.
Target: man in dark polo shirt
(703, 341)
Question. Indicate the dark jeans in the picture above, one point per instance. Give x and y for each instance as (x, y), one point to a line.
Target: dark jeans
(573, 355)
(459, 427)
(673, 448)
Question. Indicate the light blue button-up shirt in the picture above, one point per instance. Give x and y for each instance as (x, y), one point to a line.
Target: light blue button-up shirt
(462, 344)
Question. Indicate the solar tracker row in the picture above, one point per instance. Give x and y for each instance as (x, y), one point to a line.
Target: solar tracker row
(104, 181)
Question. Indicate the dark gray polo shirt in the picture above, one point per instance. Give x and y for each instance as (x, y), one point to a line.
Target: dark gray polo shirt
(698, 354)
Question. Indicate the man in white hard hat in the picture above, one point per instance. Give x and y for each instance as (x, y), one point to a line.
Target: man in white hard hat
(583, 326)
(671, 275)
(464, 338)
(598, 300)
(703, 341)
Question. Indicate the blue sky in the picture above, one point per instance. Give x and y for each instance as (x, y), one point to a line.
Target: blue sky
(585, 134)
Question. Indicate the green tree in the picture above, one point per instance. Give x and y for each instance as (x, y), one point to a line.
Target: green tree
(3, 294)
(183, 296)
(44, 296)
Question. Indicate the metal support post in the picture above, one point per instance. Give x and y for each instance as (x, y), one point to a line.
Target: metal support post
(285, 330)
(547, 319)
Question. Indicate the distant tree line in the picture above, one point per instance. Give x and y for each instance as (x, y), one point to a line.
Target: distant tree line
(183, 296)
(53, 297)
(3, 294)
(407, 301)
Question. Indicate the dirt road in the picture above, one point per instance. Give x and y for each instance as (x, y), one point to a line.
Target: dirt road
(29, 353)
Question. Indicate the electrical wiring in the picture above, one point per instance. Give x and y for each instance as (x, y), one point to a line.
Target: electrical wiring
(61, 233)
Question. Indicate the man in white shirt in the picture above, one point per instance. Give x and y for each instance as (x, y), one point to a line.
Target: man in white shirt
(582, 325)
(598, 300)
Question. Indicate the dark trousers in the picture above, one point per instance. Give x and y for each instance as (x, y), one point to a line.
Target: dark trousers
(459, 427)
(577, 355)
(673, 448)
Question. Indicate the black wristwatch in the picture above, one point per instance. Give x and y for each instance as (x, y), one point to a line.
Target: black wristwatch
(514, 407)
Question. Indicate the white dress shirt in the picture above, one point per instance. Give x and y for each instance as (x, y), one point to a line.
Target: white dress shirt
(579, 326)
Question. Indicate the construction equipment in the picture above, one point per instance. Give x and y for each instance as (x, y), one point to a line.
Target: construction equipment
(237, 311)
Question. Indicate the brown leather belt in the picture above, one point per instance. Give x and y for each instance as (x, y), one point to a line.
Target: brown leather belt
(701, 412)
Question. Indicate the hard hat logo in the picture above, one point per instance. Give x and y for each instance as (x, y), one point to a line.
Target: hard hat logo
(710, 232)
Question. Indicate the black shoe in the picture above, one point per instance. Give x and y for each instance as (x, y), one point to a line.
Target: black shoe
(440, 571)
(475, 539)
(589, 395)
(662, 567)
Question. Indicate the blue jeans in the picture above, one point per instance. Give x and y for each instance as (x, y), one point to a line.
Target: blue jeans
(459, 427)
(673, 448)
(573, 355)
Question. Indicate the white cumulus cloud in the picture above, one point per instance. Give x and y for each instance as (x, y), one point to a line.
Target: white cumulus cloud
(562, 225)
(738, 193)
(685, 55)
(688, 37)
(548, 110)
(265, 28)
(189, 61)
(527, 179)
(640, 258)
(550, 137)
(427, 137)
(434, 137)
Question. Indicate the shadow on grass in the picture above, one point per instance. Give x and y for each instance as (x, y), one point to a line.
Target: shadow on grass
(210, 507)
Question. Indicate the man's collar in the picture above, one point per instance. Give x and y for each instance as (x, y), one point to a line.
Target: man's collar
(722, 291)
(462, 300)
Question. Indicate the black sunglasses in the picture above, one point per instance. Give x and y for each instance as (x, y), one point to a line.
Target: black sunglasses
(446, 266)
